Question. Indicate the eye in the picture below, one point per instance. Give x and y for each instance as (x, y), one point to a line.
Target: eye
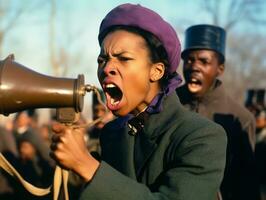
(123, 58)
(101, 61)
(204, 61)
(188, 61)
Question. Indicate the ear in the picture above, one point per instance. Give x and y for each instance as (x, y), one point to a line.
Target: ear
(157, 71)
(220, 70)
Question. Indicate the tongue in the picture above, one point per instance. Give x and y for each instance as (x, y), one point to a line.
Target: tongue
(114, 101)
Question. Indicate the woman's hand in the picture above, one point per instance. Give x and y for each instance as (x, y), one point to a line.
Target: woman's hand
(69, 150)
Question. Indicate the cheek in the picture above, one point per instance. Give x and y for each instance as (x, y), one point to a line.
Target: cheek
(210, 76)
(138, 81)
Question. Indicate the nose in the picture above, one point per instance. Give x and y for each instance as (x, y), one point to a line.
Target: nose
(109, 69)
(194, 66)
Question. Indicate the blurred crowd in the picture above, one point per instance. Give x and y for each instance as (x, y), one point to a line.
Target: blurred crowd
(256, 103)
(26, 145)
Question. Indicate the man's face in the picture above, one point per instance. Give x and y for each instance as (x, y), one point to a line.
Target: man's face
(23, 120)
(124, 69)
(201, 67)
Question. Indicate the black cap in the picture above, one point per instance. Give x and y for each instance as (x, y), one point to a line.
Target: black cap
(205, 36)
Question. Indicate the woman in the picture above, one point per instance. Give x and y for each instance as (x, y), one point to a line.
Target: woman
(154, 149)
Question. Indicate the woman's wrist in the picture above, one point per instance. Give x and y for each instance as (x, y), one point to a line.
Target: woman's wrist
(87, 168)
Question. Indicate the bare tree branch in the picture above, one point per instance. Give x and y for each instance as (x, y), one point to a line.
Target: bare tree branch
(237, 11)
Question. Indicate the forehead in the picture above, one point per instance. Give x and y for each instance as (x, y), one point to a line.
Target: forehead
(204, 53)
(22, 115)
(119, 40)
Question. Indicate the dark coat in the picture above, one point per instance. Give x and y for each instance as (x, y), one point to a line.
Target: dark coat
(240, 179)
(177, 156)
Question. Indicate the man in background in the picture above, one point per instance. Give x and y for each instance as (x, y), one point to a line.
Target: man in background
(204, 93)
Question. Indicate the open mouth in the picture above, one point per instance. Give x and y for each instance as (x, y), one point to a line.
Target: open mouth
(195, 81)
(114, 94)
(194, 85)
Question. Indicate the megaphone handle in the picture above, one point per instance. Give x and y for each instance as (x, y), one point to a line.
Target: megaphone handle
(67, 116)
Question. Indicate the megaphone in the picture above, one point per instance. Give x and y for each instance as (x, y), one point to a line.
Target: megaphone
(22, 88)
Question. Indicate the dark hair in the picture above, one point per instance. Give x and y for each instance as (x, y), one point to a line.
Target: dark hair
(156, 48)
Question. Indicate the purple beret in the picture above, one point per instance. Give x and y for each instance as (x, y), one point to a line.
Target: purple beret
(148, 20)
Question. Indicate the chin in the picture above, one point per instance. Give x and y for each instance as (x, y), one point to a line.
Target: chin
(120, 113)
(194, 89)
(196, 93)
(199, 94)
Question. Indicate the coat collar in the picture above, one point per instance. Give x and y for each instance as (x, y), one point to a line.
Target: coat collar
(216, 92)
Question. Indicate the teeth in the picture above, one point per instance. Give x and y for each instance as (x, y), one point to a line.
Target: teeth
(113, 102)
(110, 85)
(193, 80)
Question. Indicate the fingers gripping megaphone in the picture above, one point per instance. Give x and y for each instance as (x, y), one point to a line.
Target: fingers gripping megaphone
(22, 88)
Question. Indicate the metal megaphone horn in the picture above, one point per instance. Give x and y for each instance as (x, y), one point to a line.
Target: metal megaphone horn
(22, 88)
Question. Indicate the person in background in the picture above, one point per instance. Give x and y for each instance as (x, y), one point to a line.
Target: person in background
(154, 148)
(45, 133)
(204, 93)
(23, 129)
(261, 150)
(256, 103)
(33, 168)
(98, 111)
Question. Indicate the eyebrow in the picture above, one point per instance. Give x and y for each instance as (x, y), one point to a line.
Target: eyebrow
(115, 54)
(204, 57)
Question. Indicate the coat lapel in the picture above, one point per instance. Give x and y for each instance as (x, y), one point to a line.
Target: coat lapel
(147, 139)
(126, 156)
(143, 150)
(118, 147)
